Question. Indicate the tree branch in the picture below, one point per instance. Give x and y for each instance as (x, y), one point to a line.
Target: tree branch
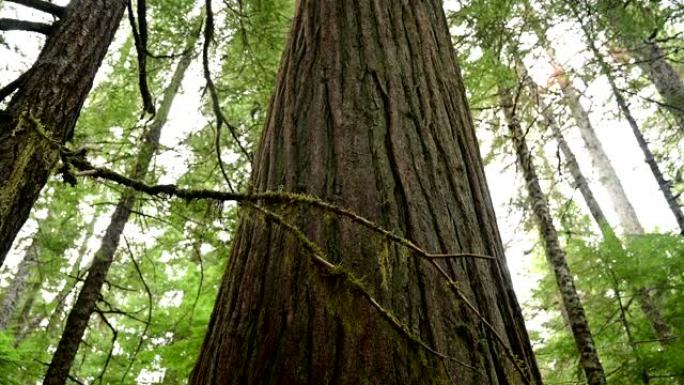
(12, 86)
(140, 38)
(23, 25)
(43, 6)
(269, 197)
(216, 106)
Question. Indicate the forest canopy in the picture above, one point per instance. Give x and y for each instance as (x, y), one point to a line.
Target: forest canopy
(341, 192)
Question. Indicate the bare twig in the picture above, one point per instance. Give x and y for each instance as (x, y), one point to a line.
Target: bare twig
(115, 334)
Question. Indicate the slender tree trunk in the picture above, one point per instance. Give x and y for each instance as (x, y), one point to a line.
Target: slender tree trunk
(42, 114)
(85, 304)
(28, 325)
(594, 208)
(609, 179)
(555, 255)
(17, 286)
(608, 176)
(369, 113)
(652, 61)
(663, 184)
(650, 58)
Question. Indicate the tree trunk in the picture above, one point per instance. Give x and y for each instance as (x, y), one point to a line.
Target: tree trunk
(85, 304)
(42, 114)
(28, 325)
(663, 184)
(60, 299)
(666, 80)
(608, 176)
(610, 181)
(555, 255)
(17, 286)
(369, 113)
(649, 56)
(594, 208)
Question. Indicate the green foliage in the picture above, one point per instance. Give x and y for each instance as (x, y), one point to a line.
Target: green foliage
(10, 360)
(161, 289)
(610, 277)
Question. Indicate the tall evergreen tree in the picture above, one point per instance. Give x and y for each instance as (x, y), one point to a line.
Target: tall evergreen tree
(369, 113)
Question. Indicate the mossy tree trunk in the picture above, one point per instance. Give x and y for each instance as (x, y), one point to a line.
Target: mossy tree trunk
(369, 113)
(42, 114)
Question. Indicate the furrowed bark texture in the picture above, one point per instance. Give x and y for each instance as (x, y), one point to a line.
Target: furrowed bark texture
(369, 113)
(43, 111)
(555, 255)
(85, 304)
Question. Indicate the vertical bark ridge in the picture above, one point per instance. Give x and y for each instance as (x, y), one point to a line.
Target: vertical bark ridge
(369, 113)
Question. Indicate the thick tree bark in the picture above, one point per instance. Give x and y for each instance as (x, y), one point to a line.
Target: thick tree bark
(42, 113)
(369, 113)
(17, 286)
(555, 255)
(85, 304)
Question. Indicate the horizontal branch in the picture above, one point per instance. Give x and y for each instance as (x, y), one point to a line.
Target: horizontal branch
(270, 197)
(43, 6)
(23, 25)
